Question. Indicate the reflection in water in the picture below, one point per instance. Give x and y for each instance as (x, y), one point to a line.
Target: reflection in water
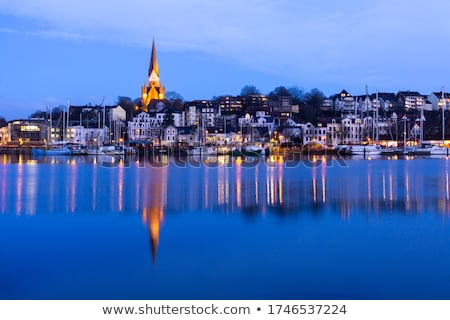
(153, 205)
(19, 188)
(3, 190)
(86, 187)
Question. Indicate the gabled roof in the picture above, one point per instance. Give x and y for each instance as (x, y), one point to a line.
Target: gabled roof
(439, 95)
(409, 93)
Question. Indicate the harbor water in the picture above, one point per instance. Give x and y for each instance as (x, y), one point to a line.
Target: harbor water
(224, 228)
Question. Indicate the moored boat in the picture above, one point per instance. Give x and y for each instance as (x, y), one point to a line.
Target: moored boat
(202, 150)
(359, 149)
(247, 151)
(436, 150)
(61, 151)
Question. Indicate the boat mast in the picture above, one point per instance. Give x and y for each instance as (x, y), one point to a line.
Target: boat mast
(422, 118)
(98, 134)
(377, 106)
(51, 125)
(67, 119)
(104, 114)
(443, 115)
(404, 118)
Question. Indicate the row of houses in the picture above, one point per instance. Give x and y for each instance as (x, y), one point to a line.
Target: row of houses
(226, 119)
(400, 101)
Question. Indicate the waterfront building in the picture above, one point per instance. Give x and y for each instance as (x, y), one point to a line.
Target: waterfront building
(439, 99)
(145, 126)
(320, 133)
(344, 102)
(229, 105)
(202, 113)
(333, 132)
(352, 130)
(187, 135)
(255, 103)
(91, 137)
(170, 136)
(308, 133)
(385, 100)
(291, 130)
(4, 136)
(25, 132)
(152, 88)
(409, 100)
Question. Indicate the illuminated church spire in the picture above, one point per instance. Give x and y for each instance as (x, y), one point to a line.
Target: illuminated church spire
(153, 61)
(154, 90)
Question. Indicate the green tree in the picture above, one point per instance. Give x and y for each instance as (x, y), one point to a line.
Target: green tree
(249, 90)
(128, 105)
(168, 119)
(38, 114)
(56, 113)
(3, 122)
(278, 92)
(175, 99)
(297, 94)
(314, 98)
(173, 95)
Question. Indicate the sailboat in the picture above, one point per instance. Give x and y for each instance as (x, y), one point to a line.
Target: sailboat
(202, 149)
(58, 148)
(438, 150)
(365, 148)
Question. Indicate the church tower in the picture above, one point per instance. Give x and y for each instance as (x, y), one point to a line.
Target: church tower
(153, 88)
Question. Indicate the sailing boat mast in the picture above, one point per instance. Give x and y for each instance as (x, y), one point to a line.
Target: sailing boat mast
(68, 118)
(377, 106)
(63, 122)
(51, 127)
(443, 115)
(104, 115)
(422, 119)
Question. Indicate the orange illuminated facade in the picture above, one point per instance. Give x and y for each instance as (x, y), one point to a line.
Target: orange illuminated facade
(153, 88)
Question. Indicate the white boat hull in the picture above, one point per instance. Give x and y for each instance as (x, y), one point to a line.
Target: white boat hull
(439, 151)
(363, 150)
(207, 151)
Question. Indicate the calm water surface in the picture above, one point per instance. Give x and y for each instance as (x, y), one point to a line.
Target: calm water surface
(73, 228)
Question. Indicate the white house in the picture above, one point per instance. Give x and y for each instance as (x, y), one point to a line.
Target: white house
(145, 126)
(170, 136)
(87, 136)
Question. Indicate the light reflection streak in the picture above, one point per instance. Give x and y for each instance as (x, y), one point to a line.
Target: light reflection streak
(324, 171)
(4, 186)
(238, 186)
(31, 189)
(314, 182)
(369, 184)
(256, 186)
(280, 183)
(19, 187)
(206, 187)
(73, 187)
(120, 189)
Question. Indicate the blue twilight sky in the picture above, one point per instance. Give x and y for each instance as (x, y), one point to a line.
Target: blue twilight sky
(84, 50)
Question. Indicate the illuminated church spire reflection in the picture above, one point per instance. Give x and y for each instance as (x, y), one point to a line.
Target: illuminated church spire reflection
(154, 197)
